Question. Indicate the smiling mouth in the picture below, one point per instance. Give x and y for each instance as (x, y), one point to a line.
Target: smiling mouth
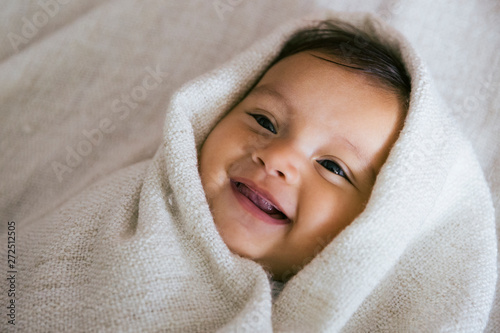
(260, 202)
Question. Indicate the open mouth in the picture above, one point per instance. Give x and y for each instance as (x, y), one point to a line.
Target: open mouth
(260, 202)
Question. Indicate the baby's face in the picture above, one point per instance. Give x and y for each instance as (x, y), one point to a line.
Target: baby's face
(294, 162)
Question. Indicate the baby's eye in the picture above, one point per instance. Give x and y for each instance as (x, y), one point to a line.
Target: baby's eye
(333, 167)
(264, 122)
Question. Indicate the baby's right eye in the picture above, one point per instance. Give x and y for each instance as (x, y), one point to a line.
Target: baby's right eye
(264, 122)
(333, 167)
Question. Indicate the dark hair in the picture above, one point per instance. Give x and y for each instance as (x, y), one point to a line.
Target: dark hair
(354, 49)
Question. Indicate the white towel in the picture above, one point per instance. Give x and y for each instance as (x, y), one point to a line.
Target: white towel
(138, 251)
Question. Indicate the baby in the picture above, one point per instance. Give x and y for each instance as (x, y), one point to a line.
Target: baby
(295, 161)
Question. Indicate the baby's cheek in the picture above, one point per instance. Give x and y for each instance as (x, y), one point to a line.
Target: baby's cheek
(210, 189)
(210, 186)
(327, 215)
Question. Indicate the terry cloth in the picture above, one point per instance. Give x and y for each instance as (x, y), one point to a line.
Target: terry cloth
(139, 251)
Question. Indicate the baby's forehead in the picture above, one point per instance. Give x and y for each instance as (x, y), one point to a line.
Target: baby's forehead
(310, 72)
(314, 64)
(375, 75)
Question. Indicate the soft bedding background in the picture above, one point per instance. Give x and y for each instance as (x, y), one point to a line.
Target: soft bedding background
(84, 84)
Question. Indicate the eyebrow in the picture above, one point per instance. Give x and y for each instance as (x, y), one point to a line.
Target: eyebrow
(285, 102)
(266, 91)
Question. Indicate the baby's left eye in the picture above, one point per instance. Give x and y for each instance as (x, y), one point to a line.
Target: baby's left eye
(333, 167)
(264, 122)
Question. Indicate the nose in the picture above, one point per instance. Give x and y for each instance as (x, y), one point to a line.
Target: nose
(279, 159)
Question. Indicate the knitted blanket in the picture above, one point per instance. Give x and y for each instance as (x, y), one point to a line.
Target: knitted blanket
(139, 251)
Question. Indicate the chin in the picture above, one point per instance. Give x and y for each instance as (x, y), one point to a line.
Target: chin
(278, 272)
(239, 247)
(243, 251)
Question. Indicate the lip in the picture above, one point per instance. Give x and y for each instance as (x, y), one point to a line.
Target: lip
(248, 205)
